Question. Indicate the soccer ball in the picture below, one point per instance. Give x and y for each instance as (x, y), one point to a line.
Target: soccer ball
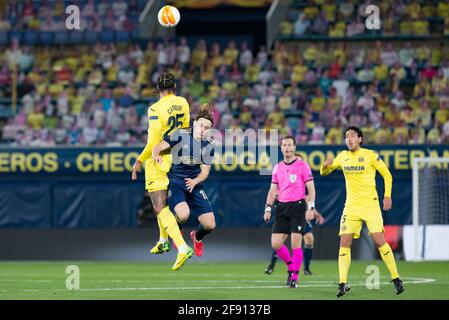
(168, 16)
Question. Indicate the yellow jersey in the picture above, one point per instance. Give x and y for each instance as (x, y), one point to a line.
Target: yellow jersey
(166, 115)
(359, 169)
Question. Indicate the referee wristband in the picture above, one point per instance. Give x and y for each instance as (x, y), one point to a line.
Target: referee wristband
(311, 205)
(267, 208)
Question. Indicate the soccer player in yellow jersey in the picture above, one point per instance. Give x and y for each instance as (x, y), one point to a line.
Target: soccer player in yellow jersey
(359, 167)
(169, 113)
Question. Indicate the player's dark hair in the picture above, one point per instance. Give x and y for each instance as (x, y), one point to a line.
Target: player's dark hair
(205, 112)
(289, 137)
(357, 130)
(166, 82)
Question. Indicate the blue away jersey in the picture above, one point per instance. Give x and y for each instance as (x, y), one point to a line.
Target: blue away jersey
(188, 154)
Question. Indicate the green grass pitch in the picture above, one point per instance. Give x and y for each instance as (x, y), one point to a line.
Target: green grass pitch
(203, 280)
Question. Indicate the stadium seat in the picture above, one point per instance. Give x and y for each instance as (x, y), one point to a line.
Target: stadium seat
(30, 38)
(45, 38)
(90, 37)
(142, 3)
(3, 38)
(135, 35)
(122, 36)
(107, 36)
(16, 35)
(60, 37)
(75, 37)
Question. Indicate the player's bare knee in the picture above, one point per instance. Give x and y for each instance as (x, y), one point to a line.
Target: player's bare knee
(158, 208)
(209, 226)
(182, 216)
(276, 245)
(308, 239)
(345, 242)
(158, 200)
(379, 240)
(296, 240)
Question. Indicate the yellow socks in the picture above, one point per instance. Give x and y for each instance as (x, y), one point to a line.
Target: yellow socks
(163, 235)
(169, 224)
(344, 261)
(388, 257)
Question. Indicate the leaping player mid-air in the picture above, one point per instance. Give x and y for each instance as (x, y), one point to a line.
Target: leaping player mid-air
(166, 115)
(192, 154)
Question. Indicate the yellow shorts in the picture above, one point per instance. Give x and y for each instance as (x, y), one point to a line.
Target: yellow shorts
(156, 175)
(156, 184)
(352, 218)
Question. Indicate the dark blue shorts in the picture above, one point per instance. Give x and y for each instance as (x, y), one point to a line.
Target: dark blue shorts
(309, 228)
(196, 200)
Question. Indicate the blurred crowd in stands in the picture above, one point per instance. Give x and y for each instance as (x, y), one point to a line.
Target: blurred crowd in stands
(396, 91)
(50, 15)
(347, 18)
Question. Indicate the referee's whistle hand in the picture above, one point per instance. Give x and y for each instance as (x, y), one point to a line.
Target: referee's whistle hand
(387, 203)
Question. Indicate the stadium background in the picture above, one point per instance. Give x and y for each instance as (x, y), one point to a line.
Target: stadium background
(73, 112)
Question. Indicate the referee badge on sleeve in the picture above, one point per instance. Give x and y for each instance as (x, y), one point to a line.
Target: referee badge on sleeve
(293, 178)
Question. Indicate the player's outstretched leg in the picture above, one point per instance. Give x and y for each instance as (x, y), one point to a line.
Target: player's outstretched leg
(162, 245)
(274, 259)
(197, 236)
(206, 226)
(169, 223)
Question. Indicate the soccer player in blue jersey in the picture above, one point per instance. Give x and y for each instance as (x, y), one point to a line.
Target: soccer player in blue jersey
(192, 155)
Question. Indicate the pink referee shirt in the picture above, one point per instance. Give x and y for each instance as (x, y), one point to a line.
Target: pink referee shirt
(291, 180)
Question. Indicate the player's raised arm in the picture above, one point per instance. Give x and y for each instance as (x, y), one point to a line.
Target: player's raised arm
(388, 180)
(330, 165)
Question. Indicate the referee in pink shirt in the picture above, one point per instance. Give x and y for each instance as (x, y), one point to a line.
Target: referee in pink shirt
(290, 179)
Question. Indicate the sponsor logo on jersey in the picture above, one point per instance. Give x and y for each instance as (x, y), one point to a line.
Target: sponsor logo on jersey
(354, 168)
(188, 160)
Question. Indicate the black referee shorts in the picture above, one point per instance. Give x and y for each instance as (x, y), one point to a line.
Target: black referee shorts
(290, 217)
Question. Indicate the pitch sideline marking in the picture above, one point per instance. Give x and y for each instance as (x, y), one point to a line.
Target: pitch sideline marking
(411, 281)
